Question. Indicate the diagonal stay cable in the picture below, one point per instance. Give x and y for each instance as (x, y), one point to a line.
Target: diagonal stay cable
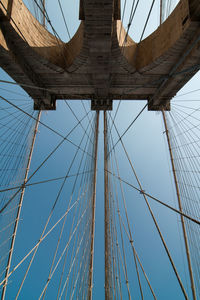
(116, 112)
(122, 19)
(131, 20)
(154, 220)
(83, 202)
(174, 104)
(130, 125)
(157, 200)
(67, 277)
(185, 116)
(74, 114)
(91, 125)
(131, 17)
(77, 277)
(40, 241)
(44, 181)
(145, 275)
(71, 235)
(184, 94)
(63, 252)
(84, 182)
(64, 19)
(147, 20)
(43, 124)
(44, 161)
(17, 93)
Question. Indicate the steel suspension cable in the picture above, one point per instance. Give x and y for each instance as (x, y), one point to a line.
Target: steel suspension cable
(73, 246)
(74, 114)
(50, 215)
(145, 275)
(87, 197)
(156, 199)
(44, 161)
(15, 144)
(178, 194)
(87, 179)
(116, 112)
(51, 272)
(39, 242)
(112, 257)
(147, 20)
(129, 234)
(191, 149)
(130, 125)
(129, 229)
(48, 127)
(67, 245)
(56, 35)
(131, 17)
(85, 248)
(86, 112)
(118, 274)
(124, 264)
(185, 116)
(64, 19)
(61, 232)
(76, 279)
(19, 208)
(161, 11)
(155, 222)
(114, 234)
(45, 181)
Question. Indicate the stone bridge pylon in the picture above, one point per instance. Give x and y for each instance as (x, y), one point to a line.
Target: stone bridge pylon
(101, 62)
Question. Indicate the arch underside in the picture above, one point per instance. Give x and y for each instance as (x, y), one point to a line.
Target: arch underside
(96, 64)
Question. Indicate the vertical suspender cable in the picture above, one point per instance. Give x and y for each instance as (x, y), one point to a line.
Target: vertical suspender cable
(106, 214)
(161, 11)
(180, 208)
(93, 208)
(19, 208)
(43, 20)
